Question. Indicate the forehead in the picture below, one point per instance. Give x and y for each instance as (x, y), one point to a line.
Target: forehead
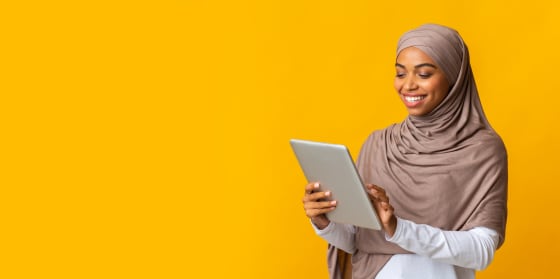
(413, 56)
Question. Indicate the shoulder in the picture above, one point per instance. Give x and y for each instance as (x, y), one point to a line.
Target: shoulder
(490, 141)
(489, 148)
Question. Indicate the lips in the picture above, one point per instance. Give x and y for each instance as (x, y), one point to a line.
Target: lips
(413, 101)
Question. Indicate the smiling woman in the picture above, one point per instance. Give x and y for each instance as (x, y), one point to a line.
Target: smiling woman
(444, 169)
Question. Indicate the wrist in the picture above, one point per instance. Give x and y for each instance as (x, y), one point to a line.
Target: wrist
(321, 222)
(391, 226)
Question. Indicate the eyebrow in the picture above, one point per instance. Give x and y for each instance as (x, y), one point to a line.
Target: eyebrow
(417, 66)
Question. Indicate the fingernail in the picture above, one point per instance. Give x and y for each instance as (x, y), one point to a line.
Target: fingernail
(327, 193)
(333, 202)
(316, 185)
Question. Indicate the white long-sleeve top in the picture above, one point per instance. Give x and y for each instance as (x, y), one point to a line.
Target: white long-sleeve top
(435, 253)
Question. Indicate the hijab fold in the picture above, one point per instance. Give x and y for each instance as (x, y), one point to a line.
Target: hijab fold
(447, 169)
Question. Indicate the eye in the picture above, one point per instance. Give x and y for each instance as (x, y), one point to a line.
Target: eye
(425, 75)
(400, 75)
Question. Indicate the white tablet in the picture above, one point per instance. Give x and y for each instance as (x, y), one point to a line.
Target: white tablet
(332, 166)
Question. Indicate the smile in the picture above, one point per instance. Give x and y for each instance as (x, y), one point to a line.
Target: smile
(414, 98)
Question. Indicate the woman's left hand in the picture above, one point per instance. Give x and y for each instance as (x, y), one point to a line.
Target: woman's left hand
(380, 202)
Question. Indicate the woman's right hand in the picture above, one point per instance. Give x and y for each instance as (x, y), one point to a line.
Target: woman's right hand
(316, 205)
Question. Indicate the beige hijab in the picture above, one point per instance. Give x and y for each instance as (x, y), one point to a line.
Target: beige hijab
(447, 169)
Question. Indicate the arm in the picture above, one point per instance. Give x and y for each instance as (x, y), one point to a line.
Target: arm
(470, 249)
(339, 235)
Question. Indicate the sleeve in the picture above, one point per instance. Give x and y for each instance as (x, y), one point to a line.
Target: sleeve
(338, 235)
(470, 249)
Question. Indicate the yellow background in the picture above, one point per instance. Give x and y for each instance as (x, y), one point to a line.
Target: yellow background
(149, 139)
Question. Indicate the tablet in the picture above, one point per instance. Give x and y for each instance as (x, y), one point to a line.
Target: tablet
(332, 166)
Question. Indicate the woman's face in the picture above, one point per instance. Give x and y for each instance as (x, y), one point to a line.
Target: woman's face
(421, 84)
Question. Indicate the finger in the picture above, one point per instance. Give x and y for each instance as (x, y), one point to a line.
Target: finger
(373, 189)
(379, 195)
(376, 188)
(385, 206)
(381, 204)
(316, 212)
(383, 199)
(388, 207)
(316, 196)
(319, 205)
(309, 188)
(313, 212)
(318, 208)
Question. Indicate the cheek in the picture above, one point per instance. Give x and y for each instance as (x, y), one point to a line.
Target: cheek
(437, 88)
(442, 87)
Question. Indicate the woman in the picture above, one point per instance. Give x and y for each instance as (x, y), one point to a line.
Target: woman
(444, 169)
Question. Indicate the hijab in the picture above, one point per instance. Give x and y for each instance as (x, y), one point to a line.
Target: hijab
(447, 169)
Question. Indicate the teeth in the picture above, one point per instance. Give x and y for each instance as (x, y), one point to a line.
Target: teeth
(414, 99)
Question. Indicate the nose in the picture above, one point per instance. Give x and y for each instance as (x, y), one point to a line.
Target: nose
(410, 83)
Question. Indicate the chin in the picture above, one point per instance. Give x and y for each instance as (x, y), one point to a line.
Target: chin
(414, 112)
(417, 113)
